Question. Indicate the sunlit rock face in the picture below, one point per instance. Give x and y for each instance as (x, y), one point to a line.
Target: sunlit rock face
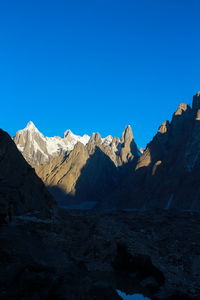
(89, 172)
(64, 172)
(129, 149)
(181, 108)
(197, 115)
(164, 127)
(144, 160)
(39, 150)
(156, 149)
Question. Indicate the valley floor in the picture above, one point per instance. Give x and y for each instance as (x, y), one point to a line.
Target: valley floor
(88, 255)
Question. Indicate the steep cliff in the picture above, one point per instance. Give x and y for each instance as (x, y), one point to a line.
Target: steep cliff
(166, 175)
(19, 182)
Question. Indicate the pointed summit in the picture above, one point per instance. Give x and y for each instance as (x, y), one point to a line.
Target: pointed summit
(129, 148)
(68, 132)
(127, 135)
(31, 126)
(95, 138)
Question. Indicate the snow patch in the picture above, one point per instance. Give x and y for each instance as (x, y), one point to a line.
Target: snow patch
(107, 140)
(31, 127)
(71, 139)
(37, 148)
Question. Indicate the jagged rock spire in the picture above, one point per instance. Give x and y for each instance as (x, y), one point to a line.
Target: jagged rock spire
(127, 135)
(196, 101)
(95, 138)
(129, 148)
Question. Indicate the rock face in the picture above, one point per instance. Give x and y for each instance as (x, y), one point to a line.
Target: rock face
(166, 175)
(91, 171)
(18, 181)
(39, 150)
(129, 149)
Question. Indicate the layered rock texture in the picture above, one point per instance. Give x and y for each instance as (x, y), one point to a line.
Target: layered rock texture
(19, 182)
(166, 175)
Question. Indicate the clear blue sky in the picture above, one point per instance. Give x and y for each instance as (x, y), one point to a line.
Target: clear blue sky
(95, 66)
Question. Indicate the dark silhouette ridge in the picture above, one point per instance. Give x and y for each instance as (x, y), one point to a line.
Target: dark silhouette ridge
(166, 175)
(19, 183)
(169, 185)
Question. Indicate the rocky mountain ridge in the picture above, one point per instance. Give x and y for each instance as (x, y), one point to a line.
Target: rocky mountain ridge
(38, 149)
(113, 172)
(90, 171)
(49, 253)
(166, 174)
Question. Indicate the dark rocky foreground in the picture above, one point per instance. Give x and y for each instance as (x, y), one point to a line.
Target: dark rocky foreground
(89, 255)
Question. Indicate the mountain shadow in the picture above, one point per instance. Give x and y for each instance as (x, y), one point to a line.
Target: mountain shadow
(98, 178)
(166, 175)
(18, 182)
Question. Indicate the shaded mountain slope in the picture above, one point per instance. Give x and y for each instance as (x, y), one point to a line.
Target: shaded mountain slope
(167, 174)
(18, 181)
(90, 172)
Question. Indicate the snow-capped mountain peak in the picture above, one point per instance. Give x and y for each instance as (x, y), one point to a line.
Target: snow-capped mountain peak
(68, 132)
(38, 149)
(71, 138)
(107, 140)
(31, 127)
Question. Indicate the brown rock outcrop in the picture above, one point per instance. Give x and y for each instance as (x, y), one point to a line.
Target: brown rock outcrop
(65, 171)
(129, 150)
